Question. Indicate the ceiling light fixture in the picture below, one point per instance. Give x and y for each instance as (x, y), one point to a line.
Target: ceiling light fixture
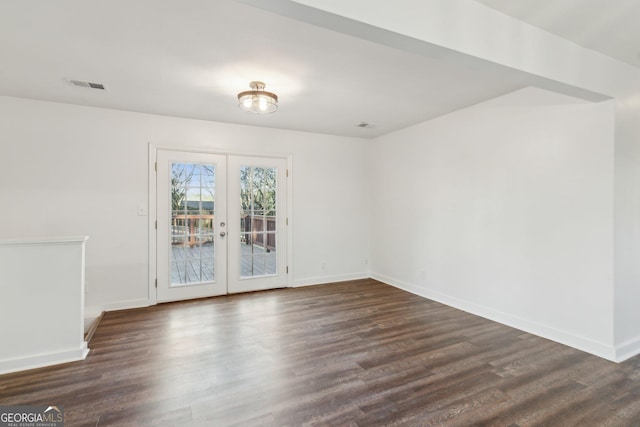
(257, 100)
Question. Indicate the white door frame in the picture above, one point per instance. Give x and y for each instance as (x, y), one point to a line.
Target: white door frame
(152, 208)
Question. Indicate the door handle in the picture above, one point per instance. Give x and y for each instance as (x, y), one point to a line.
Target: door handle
(222, 234)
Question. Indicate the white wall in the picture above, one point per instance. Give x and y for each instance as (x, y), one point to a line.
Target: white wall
(486, 37)
(504, 209)
(627, 226)
(72, 170)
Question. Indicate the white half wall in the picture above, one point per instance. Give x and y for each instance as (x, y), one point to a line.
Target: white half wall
(42, 303)
(73, 170)
(505, 210)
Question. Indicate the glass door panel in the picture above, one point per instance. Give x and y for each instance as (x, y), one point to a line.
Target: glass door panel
(192, 223)
(258, 221)
(191, 243)
(258, 186)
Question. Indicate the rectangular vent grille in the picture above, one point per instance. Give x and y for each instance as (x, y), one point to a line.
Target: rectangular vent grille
(365, 125)
(89, 85)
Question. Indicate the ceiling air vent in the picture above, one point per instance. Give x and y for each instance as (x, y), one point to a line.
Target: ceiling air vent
(89, 85)
(365, 125)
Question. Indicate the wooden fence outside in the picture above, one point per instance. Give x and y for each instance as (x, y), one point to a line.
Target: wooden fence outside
(253, 229)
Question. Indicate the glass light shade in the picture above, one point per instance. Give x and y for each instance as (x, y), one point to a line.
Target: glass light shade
(258, 101)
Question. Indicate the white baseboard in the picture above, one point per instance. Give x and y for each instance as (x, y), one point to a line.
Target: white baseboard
(91, 313)
(42, 360)
(321, 280)
(584, 344)
(628, 349)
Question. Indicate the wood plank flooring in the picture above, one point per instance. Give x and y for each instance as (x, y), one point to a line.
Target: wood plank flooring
(358, 353)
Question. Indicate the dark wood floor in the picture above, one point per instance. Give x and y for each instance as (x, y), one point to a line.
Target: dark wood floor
(351, 354)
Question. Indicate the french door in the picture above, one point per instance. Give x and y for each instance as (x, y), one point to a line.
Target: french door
(221, 224)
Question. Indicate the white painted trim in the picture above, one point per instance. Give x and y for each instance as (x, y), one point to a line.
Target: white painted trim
(125, 305)
(584, 344)
(153, 216)
(290, 227)
(321, 280)
(41, 360)
(119, 305)
(628, 349)
(92, 313)
(222, 151)
(44, 240)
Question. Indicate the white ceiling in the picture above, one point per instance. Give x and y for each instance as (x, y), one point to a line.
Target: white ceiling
(189, 58)
(611, 27)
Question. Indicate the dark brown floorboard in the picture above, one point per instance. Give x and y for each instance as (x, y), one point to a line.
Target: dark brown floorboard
(357, 353)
